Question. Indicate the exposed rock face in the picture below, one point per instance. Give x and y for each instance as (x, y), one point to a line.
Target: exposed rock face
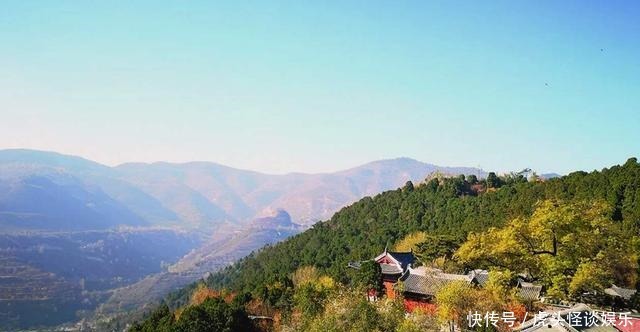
(279, 219)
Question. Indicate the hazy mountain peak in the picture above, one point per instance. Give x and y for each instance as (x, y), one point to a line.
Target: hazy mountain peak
(391, 162)
(48, 159)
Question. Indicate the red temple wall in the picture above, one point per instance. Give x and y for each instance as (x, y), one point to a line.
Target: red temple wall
(410, 305)
(388, 289)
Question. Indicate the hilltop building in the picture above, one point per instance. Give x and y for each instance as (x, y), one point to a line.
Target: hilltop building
(420, 285)
(619, 292)
(392, 266)
(528, 291)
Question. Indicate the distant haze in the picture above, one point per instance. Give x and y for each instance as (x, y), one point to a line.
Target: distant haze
(321, 86)
(42, 190)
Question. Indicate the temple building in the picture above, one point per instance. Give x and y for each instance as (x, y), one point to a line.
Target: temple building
(420, 285)
(619, 292)
(393, 265)
(528, 291)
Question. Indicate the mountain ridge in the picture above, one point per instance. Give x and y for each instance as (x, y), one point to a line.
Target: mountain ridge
(10, 154)
(202, 194)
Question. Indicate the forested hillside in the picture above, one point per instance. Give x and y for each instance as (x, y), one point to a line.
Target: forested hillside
(451, 211)
(450, 206)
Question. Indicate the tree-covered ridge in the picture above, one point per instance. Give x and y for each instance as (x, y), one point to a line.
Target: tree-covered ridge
(574, 235)
(451, 206)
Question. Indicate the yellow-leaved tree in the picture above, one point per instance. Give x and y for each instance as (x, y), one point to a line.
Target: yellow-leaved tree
(410, 242)
(455, 301)
(570, 247)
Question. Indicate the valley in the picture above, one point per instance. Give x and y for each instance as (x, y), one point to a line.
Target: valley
(223, 249)
(52, 278)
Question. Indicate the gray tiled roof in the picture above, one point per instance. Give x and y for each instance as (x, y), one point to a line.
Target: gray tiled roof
(430, 283)
(624, 293)
(403, 259)
(390, 269)
(529, 291)
(481, 276)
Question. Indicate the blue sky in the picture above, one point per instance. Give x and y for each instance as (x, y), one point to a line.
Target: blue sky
(296, 86)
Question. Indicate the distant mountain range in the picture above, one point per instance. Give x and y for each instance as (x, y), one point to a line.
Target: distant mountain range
(548, 176)
(50, 191)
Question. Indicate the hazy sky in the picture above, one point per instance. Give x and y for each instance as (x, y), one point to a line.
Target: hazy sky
(294, 86)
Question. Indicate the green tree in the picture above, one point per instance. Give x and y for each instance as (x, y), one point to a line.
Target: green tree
(213, 315)
(160, 320)
(368, 277)
(408, 187)
(309, 299)
(436, 246)
(493, 181)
